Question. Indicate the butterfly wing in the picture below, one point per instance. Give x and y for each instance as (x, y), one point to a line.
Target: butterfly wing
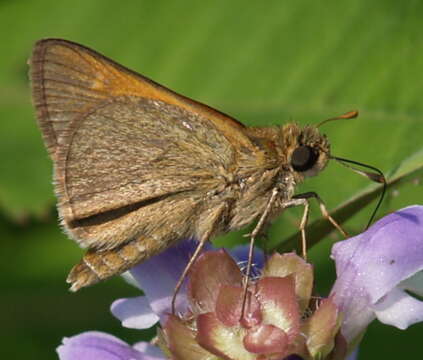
(121, 143)
(68, 79)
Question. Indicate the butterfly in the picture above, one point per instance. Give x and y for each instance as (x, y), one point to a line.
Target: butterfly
(138, 167)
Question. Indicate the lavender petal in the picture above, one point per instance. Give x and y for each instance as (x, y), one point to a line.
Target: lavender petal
(134, 313)
(372, 265)
(95, 345)
(158, 277)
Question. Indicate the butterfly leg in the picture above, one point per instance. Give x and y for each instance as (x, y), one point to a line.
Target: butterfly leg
(253, 235)
(209, 224)
(303, 199)
(323, 210)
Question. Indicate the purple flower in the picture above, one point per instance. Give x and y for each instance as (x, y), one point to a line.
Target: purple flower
(376, 272)
(273, 327)
(93, 345)
(280, 319)
(158, 285)
(157, 277)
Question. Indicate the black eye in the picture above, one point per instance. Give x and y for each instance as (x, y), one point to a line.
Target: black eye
(303, 158)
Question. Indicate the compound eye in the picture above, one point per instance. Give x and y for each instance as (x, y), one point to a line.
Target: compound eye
(303, 158)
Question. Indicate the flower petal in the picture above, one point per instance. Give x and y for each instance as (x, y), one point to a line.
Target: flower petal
(134, 313)
(182, 342)
(229, 307)
(158, 276)
(150, 352)
(399, 309)
(282, 265)
(369, 266)
(266, 339)
(279, 304)
(225, 342)
(390, 251)
(211, 270)
(94, 345)
(320, 329)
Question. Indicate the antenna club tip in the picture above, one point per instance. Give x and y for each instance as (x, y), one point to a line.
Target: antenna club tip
(350, 114)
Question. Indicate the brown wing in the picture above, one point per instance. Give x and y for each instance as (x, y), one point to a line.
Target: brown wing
(68, 79)
(121, 142)
(128, 154)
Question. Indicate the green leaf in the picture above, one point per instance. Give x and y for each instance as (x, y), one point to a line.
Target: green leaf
(265, 65)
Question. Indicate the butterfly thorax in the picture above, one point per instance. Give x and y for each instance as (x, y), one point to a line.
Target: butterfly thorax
(284, 156)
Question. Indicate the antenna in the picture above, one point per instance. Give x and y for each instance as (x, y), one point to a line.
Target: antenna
(348, 115)
(376, 177)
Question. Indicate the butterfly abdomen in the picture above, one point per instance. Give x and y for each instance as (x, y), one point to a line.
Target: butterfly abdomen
(99, 265)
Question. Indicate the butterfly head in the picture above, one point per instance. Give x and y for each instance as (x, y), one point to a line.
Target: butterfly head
(307, 151)
(310, 154)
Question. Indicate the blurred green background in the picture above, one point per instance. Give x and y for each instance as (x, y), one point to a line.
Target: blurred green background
(262, 62)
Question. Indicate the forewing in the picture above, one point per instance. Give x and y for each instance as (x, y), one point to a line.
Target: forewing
(68, 79)
(121, 142)
(131, 152)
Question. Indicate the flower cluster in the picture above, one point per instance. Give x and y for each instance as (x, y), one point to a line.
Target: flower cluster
(277, 320)
(378, 272)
